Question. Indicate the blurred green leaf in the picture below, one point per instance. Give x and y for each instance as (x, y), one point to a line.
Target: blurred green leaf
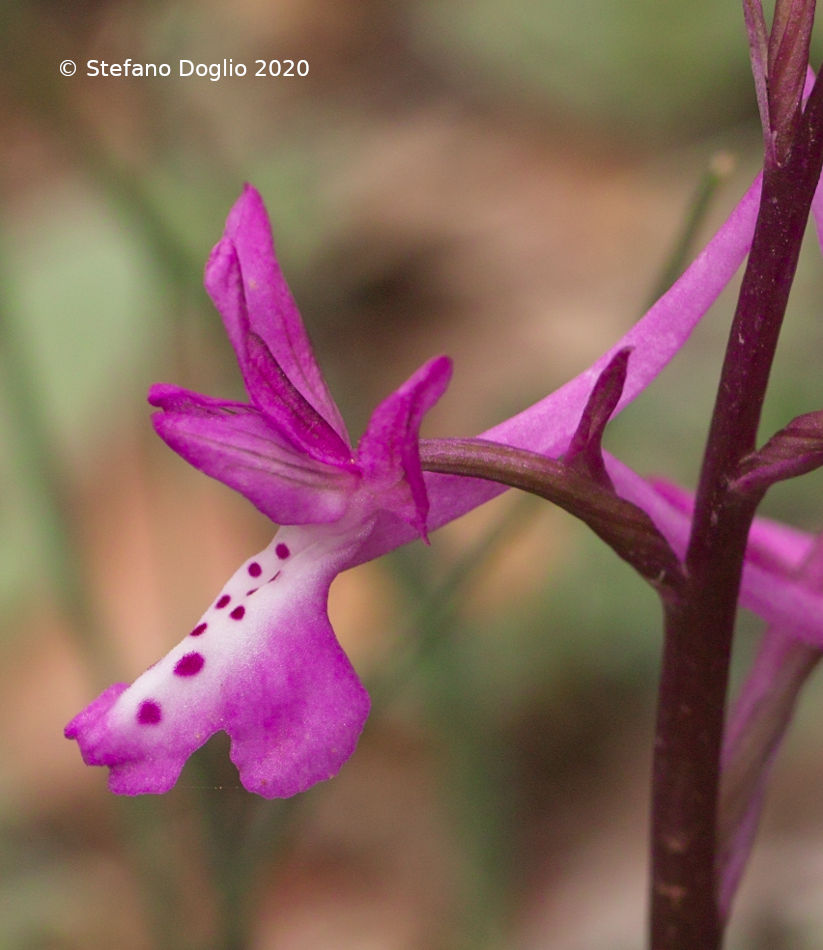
(648, 64)
(83, 309)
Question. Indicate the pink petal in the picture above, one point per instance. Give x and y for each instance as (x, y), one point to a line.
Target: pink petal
(755, 730)
(758, 723)
(236, 444)
(655, 338)
(774, 549)
(389, 453)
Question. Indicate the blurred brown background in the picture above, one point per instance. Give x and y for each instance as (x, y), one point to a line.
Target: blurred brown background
(504, 182)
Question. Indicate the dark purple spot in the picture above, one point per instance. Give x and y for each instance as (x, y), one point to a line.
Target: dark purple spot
(200, 628)
(254, 569)
(238, 613)
(189, 664)
(222, 602)
(282, 551)
(252, 591)
(148, 714)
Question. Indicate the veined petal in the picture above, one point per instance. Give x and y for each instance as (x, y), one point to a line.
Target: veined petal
(236, 444)
(247, 286)
(262, 664)
(389, 454)
(286, 409)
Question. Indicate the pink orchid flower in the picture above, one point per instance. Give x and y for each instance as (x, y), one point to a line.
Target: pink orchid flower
(263, 663)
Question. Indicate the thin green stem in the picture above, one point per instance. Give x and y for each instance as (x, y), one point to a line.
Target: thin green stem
(47, 482)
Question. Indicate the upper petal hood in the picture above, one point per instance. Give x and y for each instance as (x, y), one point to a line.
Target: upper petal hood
(247, 286)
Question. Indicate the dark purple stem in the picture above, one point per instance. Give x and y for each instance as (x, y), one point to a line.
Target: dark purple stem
(700, 622)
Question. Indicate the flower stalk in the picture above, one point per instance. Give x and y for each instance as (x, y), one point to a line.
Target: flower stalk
(699, 623)
(627, 529)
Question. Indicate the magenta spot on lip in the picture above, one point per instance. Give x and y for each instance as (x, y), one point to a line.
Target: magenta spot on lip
(148, 713)
(238, 613)
(254, 569)
(282, 551)
(222, 602)
(200, 628)
(189, 664)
